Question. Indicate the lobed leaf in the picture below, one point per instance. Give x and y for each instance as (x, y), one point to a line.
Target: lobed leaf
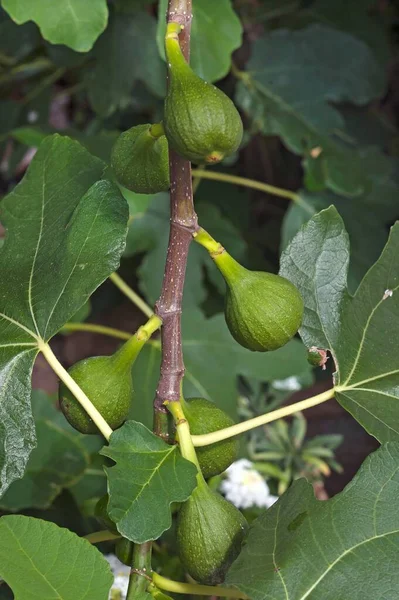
(148, 476)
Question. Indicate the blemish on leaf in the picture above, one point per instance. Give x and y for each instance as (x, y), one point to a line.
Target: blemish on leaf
(297, 522)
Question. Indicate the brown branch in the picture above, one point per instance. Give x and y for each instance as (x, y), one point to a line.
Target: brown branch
(183, 225)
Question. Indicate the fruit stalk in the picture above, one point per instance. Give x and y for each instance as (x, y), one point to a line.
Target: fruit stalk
(183, 225)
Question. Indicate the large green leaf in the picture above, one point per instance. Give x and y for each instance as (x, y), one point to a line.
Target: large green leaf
(126, 52)
(75, 23)
(65, 234)
(213, 362)
(361, 331)
(346, 547)
(291, 91)
(366, 217)
(38, 559)
(148, 476)
(216, 32)
(357, 18)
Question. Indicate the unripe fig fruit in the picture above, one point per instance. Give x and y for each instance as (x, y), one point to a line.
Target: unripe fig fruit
(201, 122)
(107, 381)
(140, 159)
(101, 514)
(124, 551)
(263, 311)
(204, 416)
(210, 531)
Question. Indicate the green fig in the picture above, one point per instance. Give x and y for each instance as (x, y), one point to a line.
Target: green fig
(263, 311)
(201, 122)
(140, 159)
(107, 381)
(204, 416)
(124, 551)
(101, 514)
(210, 532)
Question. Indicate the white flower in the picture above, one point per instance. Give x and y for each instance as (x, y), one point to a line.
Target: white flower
(291, 384)
(121, 582)
(32, 116)
(244, 487)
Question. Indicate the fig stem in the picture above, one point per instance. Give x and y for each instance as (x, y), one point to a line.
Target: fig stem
(203, 238)
(101, 536)
(157, 130)
(183, 223)
(224, 434)
(94, 328)
(126, 355)
(255, 185)
(79, 394)
(141, 570)
(195, 589)
(227, 265)
(131, 294)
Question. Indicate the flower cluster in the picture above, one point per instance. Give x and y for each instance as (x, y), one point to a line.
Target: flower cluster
(244, 487)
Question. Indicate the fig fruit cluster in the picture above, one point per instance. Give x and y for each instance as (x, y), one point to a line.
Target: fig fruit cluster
(200, 123)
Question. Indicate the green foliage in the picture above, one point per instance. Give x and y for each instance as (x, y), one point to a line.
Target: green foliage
(58, 461)
(360, 330)
(124, 54)
(68, 210)
(302, 547)
(73, 23)
(39, 559)
(313, 72)
(317, 97)
(148, 476)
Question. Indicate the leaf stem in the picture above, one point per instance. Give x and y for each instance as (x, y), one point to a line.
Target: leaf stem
(195, 589)
(285, 411)
(131, 294)
(94, 328)
(253, 184)
(75, 389)
(101, 536)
